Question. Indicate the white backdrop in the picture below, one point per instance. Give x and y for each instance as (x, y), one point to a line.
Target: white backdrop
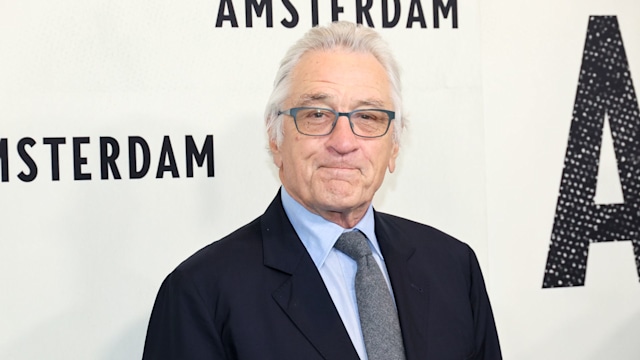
(490, 107)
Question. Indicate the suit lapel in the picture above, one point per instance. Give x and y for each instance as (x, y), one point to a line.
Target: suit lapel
(410, 292)
(303, 295)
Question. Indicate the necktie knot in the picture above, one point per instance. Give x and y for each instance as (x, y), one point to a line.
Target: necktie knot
(354, 244)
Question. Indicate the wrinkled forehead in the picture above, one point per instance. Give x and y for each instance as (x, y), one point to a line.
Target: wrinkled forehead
(338, 75)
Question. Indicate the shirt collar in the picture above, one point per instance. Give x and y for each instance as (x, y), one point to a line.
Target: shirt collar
(319, 235)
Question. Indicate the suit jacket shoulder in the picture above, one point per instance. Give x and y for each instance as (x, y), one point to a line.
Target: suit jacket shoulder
(219, 259)
(419, 234)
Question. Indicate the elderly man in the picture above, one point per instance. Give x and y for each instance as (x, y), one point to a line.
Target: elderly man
(321, 274)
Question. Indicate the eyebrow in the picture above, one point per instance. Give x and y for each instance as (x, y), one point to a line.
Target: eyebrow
(371, 102)
(309, 99)
(313, 98)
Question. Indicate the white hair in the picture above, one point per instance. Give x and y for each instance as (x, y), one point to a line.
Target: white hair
(337, 35)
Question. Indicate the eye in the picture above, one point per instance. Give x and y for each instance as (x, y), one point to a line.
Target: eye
(368, 115)
(315, 114)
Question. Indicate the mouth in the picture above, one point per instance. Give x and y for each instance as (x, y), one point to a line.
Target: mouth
(339, 172)
(340, 167)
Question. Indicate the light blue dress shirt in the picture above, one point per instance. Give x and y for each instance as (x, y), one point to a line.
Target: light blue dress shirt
(338, 270)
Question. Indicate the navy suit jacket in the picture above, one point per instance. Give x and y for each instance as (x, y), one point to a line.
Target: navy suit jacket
(256, 294)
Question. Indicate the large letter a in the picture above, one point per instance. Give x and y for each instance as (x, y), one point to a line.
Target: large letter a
(604, 86)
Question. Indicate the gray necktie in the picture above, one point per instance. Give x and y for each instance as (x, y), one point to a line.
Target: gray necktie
(378, 316)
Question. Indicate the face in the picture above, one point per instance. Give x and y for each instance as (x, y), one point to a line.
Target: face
(335, 175)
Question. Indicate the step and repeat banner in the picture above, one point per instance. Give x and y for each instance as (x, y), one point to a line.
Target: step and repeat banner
(131, 135)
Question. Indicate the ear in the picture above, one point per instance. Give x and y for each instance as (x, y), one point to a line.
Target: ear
(394, 155)
(275, 153)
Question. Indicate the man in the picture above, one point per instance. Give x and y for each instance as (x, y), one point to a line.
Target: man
(286, 286)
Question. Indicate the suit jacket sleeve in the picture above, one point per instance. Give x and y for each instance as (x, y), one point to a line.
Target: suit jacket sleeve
(181, 326)
(486, 339)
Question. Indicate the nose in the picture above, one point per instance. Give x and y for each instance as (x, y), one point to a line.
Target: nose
(342, 139)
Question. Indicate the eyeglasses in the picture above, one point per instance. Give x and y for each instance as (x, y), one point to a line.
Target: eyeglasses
(366, 123)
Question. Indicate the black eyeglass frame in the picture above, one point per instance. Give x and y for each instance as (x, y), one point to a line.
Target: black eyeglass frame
(294, 111)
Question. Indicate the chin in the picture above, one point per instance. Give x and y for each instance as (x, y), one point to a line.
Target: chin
(342, 200)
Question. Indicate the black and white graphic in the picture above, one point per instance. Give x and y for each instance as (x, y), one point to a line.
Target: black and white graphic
(605, 90)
